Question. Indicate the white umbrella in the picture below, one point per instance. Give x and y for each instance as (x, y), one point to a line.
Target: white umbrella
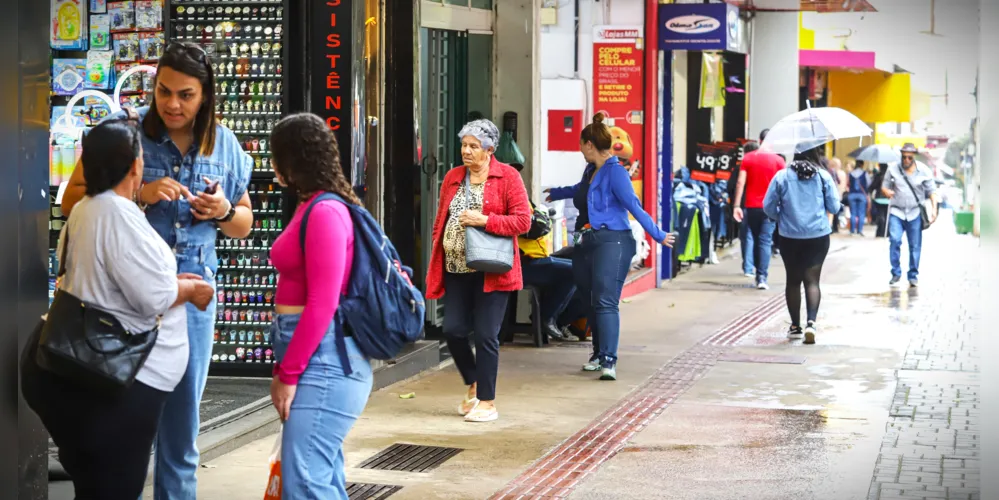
(812, 128)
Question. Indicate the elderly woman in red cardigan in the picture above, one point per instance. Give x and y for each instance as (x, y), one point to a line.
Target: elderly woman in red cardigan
(476, 301)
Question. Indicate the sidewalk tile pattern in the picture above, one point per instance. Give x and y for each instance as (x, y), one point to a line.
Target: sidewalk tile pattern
(932, 446)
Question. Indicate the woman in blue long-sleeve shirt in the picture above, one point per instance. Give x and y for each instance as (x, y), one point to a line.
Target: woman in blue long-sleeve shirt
(800, 198)
(604, 198)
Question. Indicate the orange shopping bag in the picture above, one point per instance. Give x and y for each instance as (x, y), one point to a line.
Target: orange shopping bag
(273, 491)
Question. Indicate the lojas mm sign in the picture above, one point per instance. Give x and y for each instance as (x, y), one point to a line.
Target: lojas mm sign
(712, 26)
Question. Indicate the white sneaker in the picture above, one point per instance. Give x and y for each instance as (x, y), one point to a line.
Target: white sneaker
(810, 333)
(749, 275)
(592, 365)
(762, 286)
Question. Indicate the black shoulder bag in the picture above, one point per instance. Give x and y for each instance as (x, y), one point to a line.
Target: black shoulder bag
(88, 346)
(925, 217)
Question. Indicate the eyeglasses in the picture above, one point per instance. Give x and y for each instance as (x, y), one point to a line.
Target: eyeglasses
(908, 157)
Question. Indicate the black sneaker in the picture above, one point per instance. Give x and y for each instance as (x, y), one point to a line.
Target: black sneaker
(794, 333)
(553, 331)
(894, 280)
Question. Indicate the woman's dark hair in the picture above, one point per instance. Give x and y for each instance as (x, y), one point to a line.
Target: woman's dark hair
(191, 60)
(109, 151)
(812, 156)
(306, 154)
(597, 133)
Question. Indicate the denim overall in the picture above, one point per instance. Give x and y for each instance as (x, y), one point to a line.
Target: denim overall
(193, 243)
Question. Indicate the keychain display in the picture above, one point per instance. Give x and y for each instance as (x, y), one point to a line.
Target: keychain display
(243, 40)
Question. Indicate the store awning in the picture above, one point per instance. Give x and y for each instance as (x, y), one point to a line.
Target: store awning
(837, 59)
(804, 5)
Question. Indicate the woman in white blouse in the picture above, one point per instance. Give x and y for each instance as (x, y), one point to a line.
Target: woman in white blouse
(116, 262)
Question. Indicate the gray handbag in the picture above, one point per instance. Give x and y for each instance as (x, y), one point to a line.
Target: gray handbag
(485, 252)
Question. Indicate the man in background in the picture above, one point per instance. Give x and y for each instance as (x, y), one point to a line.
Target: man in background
(758, 169)
(908, 185)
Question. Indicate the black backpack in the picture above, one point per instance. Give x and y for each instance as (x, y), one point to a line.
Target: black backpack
(541, 223)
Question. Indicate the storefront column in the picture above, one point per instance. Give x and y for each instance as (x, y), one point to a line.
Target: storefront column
(774, 64)
(516, 79)
(24, 206)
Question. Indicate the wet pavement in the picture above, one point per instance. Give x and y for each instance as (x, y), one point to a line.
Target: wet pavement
(712, 401)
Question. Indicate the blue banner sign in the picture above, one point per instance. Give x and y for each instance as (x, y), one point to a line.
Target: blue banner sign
(712, 26)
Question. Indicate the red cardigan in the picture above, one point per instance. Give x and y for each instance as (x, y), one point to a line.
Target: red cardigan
(504, 201)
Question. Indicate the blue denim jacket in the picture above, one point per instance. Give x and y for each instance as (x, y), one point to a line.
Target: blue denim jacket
(800, 206)
(227, 164)
(611, 197)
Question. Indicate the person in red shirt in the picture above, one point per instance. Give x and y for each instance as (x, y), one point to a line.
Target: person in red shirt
(758, 169)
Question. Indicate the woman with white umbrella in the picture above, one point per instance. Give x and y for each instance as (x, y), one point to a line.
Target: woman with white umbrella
(799, 198)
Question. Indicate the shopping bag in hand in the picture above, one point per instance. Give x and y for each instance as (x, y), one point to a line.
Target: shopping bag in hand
(273, 491)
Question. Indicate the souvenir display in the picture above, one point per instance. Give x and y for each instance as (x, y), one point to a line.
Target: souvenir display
(69, 25)
(100, 32)
(122, 16)
(149, 15)
(151, 46)
(126, 47)
(100, 70)
(244, 43)
(68, 76)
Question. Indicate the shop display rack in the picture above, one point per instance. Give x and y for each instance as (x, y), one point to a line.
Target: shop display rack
(244, 43)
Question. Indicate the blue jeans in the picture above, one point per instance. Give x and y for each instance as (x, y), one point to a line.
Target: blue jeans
(177, 455)
(913, 230)
(858, 211)
(746, 241)
(600, 269)
(326, 405)
(761, 238)
(553, 277)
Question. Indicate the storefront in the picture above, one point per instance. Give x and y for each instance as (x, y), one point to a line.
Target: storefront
(613, 72)
(704, 113)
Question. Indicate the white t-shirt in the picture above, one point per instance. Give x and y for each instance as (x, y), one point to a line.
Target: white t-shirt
(117, 262)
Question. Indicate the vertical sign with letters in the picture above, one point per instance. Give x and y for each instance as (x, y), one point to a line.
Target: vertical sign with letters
(330, 62)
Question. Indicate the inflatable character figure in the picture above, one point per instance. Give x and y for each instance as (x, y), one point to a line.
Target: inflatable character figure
(624, 149)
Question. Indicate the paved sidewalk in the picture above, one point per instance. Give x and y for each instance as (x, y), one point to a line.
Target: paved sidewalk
(713, 402)
(543, 399)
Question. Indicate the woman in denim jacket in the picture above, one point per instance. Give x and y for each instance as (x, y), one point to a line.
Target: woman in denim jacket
(604, 198)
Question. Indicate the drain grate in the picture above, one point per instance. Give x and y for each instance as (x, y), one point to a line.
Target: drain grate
(365, 491)
(410, 458)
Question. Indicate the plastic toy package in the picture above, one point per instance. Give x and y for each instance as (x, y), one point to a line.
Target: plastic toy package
(100, 32)
(100, 70)
(98, 6)
(126, 47)
(149, 15)
(137, 82)
(68, 25)
(68, 76)
(151, 46)
(122, 16)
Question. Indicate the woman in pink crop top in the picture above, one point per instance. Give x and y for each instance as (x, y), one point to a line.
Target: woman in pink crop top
(317, 401)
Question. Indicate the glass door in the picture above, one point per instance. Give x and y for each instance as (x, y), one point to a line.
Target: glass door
(445, 102)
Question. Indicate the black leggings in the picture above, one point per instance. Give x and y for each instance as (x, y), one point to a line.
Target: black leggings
(803, 261)
(104, 441)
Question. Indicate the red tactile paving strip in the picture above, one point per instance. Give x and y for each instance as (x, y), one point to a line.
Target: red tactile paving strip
(556, 473)
(747, 323)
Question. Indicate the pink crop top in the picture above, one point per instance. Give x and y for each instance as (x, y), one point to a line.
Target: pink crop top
(329, 245)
